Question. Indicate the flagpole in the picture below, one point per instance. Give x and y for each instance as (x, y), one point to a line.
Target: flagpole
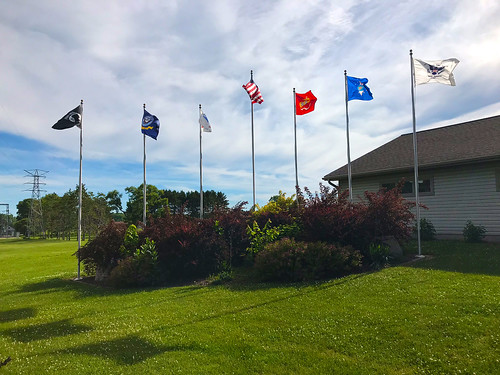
(295, 136)
(253, 150)
(144, 175)
(349, 173)
(80, 196)
(415, 153)
(201, 173)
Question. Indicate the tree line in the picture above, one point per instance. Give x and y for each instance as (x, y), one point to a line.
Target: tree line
(60, 213)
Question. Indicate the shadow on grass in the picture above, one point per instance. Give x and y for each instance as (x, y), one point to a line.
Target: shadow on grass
(46, 331)
(127, 350)
(17, 314)
(79, 288)
(302, 291)
(44, 286)
(458, 256)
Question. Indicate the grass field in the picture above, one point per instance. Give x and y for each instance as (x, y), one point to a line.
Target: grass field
(440, 315)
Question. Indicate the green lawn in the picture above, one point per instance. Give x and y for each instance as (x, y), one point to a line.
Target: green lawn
(440, 315)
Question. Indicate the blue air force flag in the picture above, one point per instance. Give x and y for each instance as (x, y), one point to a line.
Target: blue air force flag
(70, 119)
(357, 89)
(439, 71)
(204, 123)
(150, 125)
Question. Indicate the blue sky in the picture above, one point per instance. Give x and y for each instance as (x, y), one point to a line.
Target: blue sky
(175, 55)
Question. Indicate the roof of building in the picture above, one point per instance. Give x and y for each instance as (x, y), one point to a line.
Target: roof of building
(467, 142)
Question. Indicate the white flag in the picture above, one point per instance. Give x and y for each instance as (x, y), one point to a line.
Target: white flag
(205, 125)
(439, 71)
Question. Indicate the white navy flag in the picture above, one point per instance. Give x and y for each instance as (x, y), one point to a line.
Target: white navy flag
(439, 71)
(204, 123)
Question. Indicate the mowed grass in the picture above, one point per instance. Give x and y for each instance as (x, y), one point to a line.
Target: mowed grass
(440, 315)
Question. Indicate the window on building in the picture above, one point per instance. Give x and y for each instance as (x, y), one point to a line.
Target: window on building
(425, 186)
(497, 178)
(388, 185)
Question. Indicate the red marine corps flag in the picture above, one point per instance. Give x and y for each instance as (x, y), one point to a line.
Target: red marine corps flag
(304, 103)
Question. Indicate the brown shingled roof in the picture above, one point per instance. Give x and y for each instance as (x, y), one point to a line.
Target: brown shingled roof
(455, 144)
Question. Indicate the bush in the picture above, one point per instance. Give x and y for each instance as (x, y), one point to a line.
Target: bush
(103, 252)
(259, 238)
(231, 225)
(427, 230)
(384, 213)
(188, 248)
(130, 241)
(139, 269)
(288, 260)
(124, 275)
(280, 210)
(473, 233)
(225, 274)
(330, 217)
(379, 255)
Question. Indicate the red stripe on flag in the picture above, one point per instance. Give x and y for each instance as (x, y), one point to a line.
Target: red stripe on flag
(253, 92)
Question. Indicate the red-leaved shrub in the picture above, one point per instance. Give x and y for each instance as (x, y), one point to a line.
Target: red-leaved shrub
(329, 216)
(188, 248)
(385, 213)
(103, 252)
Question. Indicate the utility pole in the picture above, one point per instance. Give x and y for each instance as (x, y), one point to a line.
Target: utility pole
(35, 223)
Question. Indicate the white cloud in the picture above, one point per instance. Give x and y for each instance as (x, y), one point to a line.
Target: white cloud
(175, 55)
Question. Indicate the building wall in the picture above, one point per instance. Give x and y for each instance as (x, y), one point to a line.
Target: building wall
(461, 193)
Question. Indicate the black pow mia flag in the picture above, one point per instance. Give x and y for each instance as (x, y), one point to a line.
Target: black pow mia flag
(70, 119)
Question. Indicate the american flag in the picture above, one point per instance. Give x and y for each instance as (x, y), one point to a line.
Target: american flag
(253, 91)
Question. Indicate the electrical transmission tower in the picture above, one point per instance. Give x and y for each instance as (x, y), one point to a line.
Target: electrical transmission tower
(4, 221)
(35, 224)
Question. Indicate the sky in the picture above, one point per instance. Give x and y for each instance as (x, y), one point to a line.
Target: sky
(175, 55)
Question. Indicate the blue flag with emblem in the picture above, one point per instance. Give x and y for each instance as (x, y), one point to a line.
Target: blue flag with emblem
(357, 89)
(150, 125)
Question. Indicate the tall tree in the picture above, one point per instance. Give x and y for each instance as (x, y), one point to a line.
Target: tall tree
(114, 199)
(156, 204)
(23, 209)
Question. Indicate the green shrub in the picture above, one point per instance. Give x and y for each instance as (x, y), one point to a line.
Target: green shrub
(124, 275)
(130, 241)
(473, 233)
(379, 255)
(280, 210)
(427, 230)
(225, 274)
(139, 269)
(290, 260)
(260, 237)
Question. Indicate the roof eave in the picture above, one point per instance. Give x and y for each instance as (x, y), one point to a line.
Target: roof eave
(410, 168)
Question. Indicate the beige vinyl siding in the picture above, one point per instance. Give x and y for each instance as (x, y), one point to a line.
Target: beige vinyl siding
(460, 193)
